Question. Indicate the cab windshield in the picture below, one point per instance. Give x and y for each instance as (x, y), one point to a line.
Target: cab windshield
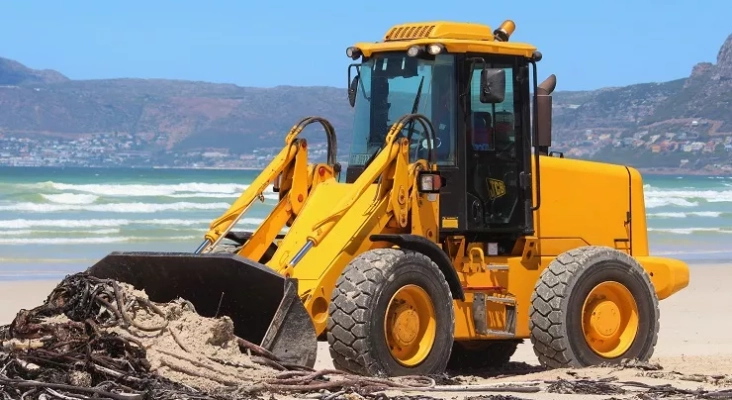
(394, 84)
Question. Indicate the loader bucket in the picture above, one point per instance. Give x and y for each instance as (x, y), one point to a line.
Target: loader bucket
(263, 305)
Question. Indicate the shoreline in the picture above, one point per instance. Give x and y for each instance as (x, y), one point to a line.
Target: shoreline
(39, 275)
(646, 171)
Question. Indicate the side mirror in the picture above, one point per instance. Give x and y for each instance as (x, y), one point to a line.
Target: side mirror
(544, 111)
(352, 90)
(492, 85)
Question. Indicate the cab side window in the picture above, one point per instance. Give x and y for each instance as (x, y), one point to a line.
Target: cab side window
(493, 125)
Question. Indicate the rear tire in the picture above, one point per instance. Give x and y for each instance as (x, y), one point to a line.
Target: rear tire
(593, 305)
(386, 297)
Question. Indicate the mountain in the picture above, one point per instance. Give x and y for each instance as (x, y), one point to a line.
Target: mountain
(15, 73)
(705, 94)
(150, 117)
(177, 114)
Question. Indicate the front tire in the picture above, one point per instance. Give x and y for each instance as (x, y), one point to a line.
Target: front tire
(391, 313)
(593, 305)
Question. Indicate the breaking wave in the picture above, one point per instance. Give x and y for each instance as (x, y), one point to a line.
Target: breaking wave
(702, 214)
(137, 208)
(684, 197)
(91, 240)
(70, 198)
(689, 231)
(29, 232)
(109, 223)
(178, 190)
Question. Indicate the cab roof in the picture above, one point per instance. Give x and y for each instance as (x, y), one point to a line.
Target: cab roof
(457, 37)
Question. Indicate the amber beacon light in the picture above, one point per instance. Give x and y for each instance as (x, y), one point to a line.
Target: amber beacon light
(503, 32)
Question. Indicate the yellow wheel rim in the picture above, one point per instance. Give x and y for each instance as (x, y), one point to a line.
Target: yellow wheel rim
(610, 319)
(410, 325)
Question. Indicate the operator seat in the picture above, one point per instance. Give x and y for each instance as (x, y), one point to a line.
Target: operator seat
(505, 168)
(481, 139)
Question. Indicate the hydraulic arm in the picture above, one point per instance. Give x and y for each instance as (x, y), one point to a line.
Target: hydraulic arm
(293, 178)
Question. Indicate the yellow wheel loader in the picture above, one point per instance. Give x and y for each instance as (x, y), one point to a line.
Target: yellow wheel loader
(454, 235)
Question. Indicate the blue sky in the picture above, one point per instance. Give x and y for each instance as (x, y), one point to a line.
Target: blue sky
(588, 44)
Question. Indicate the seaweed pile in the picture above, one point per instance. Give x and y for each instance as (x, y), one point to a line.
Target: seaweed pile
(100, 337)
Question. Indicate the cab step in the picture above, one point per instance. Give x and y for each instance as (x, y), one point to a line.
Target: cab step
(496, 267)
(480, 317)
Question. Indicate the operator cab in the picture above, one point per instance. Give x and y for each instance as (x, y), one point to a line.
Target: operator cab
(483, 142)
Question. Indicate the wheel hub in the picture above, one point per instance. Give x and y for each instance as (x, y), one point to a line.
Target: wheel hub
(610, 319)
(410, 325)
(406, 325)
(605, 319)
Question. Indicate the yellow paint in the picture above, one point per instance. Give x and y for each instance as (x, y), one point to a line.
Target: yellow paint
(667, 274)
(571, 210)
(610, 319)
(449, 222)
(410, 326)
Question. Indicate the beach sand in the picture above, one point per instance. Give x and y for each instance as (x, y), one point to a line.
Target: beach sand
(694, 336)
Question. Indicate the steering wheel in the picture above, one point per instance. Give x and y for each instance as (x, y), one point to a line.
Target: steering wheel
(502, 152)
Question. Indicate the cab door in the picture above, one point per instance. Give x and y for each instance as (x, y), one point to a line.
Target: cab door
(495, 199)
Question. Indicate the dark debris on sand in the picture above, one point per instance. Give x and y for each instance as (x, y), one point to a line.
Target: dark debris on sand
(59, 351)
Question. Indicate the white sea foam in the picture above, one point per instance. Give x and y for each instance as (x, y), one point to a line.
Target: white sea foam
(91, 240)
(687, 252)
(187, 189)
(15, 224)
(41, 260)
(92, 223)
(704, 214)
(29, 232)
(689, 231)
(684, 197)
(137, 208)
(70, 198)
(90, 193)
(652, 202)
(203, 195)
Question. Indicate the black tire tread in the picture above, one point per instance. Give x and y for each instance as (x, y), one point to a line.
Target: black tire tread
(545, 314)
(354, 290)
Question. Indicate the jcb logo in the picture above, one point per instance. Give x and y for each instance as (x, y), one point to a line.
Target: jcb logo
(496, 188)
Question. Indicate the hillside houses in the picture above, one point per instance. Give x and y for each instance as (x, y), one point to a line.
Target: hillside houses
(668, 142)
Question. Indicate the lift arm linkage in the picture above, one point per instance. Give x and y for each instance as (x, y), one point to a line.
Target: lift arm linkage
(290, 170)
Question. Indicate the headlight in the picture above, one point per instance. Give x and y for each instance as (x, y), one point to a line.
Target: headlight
(435, 49)
(430, 182)
(353, 52)
(414, 51)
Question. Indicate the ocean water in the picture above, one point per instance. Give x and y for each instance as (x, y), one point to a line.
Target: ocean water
(55, 221)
